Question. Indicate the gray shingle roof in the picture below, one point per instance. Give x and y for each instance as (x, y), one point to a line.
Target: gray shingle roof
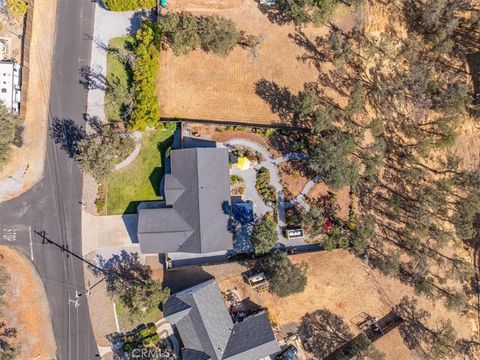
(197, 189)
(208, 332)
(252, 338)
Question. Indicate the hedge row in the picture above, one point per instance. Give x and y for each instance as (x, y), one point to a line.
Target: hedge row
(129, 5)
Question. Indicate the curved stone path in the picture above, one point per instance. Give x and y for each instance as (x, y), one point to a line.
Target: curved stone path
(137, 135)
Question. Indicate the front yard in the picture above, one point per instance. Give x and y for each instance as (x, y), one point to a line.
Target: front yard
(139, 181)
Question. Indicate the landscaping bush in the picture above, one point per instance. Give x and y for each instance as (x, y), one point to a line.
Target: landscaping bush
(235, 179)
(170, 126)
(128, 5)
(264, 189)
(17, 7)
(9, 122)
(284, 277)
(146, 112)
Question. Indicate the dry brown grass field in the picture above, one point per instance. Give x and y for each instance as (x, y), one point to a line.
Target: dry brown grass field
(341, 283)
(211, 87)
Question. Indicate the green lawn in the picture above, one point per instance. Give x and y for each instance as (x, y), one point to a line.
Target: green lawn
(140, 180)
(119, 76)
(127, 322)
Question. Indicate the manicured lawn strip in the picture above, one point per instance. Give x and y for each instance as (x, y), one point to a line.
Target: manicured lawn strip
(140, 180)
(117, 71)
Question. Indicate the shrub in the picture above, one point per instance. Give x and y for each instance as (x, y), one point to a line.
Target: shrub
(9, 122)
(128, 5)
(235, 179)
(307, 11)
(170, 126)
(17, 7)
(284, 277)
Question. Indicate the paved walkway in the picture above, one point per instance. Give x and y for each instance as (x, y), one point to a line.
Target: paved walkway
(108, 25)
(137, 136)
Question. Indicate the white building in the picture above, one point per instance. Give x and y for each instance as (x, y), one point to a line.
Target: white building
(10, 85)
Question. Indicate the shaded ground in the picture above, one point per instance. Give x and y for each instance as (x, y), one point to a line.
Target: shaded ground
(35, 337)
(292, 179)
(140, 180)
(321, 195)
(241, 86)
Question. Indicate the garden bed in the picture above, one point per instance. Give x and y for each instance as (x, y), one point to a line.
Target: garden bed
(293, 178)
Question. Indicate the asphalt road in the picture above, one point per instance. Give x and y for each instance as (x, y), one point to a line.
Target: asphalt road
(52, 206)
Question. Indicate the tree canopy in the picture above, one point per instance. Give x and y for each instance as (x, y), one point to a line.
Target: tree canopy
(185, 32)
(264, 234)
(98, 153)
(284, 277)
(131, 281)
(218, 34)
(330, 159)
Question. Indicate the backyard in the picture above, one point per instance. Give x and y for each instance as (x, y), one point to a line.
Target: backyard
(243, 86)
(341, 283)
(140, 180)
(119, 76)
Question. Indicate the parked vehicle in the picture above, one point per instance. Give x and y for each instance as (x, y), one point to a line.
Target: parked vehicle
(290, 353)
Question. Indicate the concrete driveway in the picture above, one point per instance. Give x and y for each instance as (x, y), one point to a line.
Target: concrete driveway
(109, 234)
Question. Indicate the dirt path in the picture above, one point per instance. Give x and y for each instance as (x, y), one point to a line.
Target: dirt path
(31, 318)
(26, 167)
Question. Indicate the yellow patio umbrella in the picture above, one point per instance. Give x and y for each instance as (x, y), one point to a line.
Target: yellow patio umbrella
(243, 163)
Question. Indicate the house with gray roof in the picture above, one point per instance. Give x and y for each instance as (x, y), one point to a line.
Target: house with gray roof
(197, 196)
(207, 331)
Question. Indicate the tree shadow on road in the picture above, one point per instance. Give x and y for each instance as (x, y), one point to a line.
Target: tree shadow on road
(67, 133)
